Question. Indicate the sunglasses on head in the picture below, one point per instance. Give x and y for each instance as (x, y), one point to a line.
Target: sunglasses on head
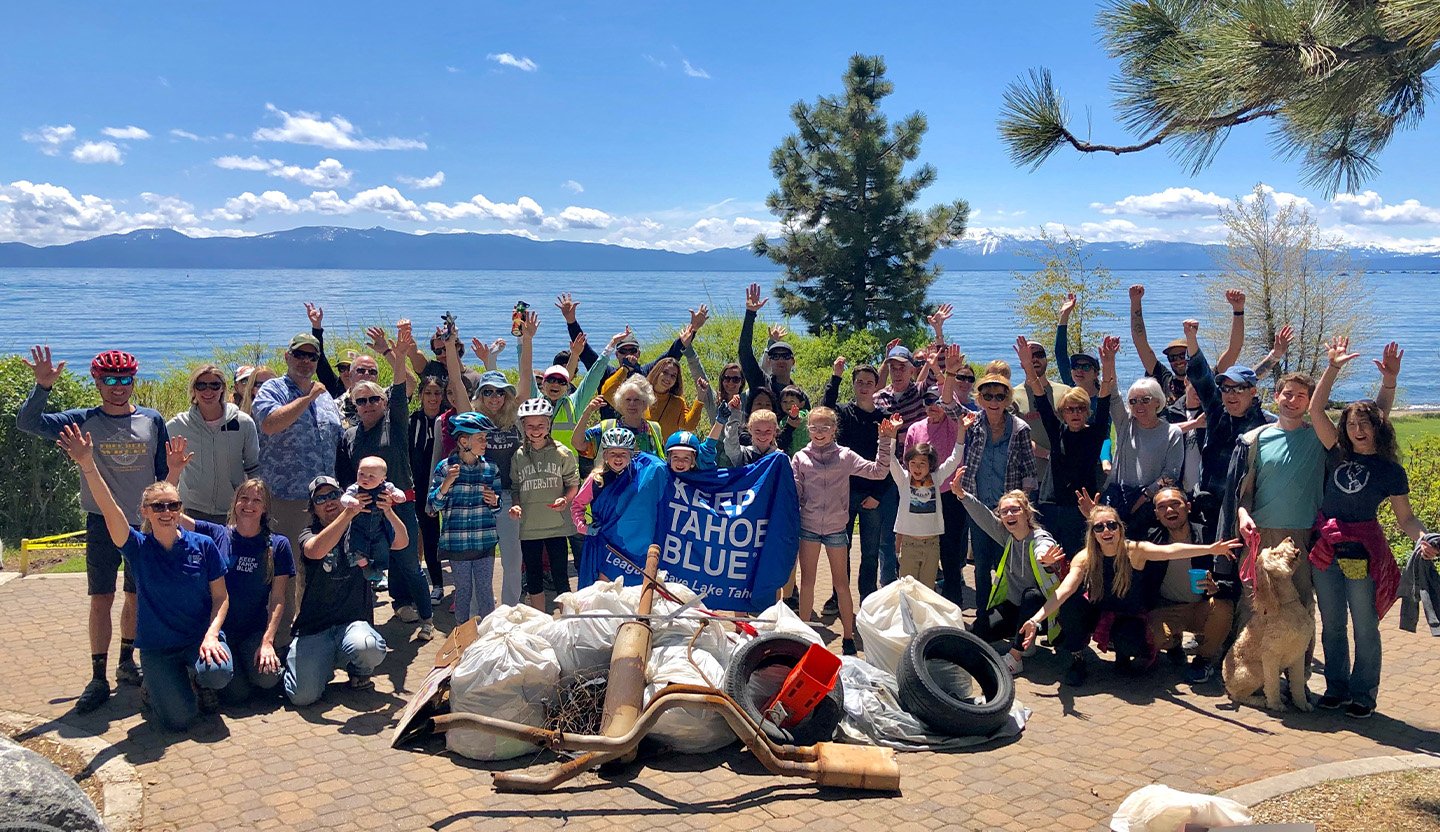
(993, 397)
(1236, 388)
(111, 381)
(1140, 400)
(306, 356)
(1106, 526)
(364, 400)
(209, 385)
(164, 505)
(366, 371)
(327, 497)
(488, 392)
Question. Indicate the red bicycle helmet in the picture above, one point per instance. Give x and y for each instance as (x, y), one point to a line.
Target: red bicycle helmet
(114, 361)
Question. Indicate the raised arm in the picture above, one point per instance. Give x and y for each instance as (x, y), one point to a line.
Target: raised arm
(1109, 348)
(1338, 352)
(32, 417)
(734, 423)
(567, 307)
(1268, 364)
(323, 371)
(81, 448)
(1142, 551)
(831, 398)
(1236, 299)
(1389, 366)
(1138, 335)
(528, 327)
(697, 372)
(754, 376)
(1062, 340)
(455, 374)
(329, 537)
(578, 440)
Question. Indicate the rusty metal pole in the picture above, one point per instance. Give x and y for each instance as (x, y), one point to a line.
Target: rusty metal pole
(625, 689)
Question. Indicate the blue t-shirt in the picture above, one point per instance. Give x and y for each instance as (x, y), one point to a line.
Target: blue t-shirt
(245, 576)
(172, 588)
(990, 479)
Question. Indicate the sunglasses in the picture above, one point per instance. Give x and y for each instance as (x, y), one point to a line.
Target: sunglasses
(1083, 365)
(364, 400)
(1075, 408)
(1106, 526)
(366, 371)
(489, 392)
(343, 366)
(556, 380)
(627, 351)
(781, 356)
(1009, 510)
(993, 397)
(966, 379)
(1236, 388)
(732, 379)
(164, 506)
(929, 400)
(306, 356)
(327, 497)
(111, 381)
(437, 350)
(1038, 354)
(209, 385)
(1140, 400)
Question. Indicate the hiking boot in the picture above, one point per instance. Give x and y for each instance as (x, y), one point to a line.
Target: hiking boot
(93, 696)
(1332, 703)
(847, 647)
(427, 630)
(128, 673)
(436, 593)
(1075, 676)
(1357, 711)
(407, 613)
(1200, 672)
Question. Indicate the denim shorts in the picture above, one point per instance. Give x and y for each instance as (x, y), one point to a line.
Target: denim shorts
(832, 539)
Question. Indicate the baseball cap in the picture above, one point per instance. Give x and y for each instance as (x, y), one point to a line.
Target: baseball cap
(556, 370)
(1036, 346)
(322, 481)
(779, 345)
(305, 339)
(1239, 374)
(1084, 356)
(628, 341)
(899, 353)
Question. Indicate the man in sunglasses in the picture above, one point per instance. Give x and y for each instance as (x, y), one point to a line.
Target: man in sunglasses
(300, 428)
(1175, 607)
(779, 353)
(130, 456)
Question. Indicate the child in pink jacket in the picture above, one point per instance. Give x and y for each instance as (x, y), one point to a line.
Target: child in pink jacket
(822, 480)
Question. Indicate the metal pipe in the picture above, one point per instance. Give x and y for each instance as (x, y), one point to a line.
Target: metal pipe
(625, 687)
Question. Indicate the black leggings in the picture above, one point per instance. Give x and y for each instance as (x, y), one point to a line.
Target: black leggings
(1079, 617)
(430, 540)
(535, 551)
(1005, 617)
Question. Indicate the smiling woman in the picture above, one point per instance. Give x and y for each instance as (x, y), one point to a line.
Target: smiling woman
(224, 441)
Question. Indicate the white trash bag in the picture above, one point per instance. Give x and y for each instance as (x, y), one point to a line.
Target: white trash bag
(505, 675)
(688, 731)
(893, 614)
(781, 619)
(1157, 808)
(504, 619)
(873, 714)
(586, 643)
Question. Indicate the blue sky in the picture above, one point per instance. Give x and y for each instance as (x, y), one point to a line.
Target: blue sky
(645, 124)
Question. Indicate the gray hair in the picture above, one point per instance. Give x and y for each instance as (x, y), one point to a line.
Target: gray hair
(639, 385)
(362, 389)
(1147, 386)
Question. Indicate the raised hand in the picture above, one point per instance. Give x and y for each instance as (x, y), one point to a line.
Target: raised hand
(567, 307)
(837, 367)
(46, 373)
(175, 453)
(753, 301)
(698, 317)
(890, 427)
(687, 335)
(316, 314)
(405, 339)
(734, 403)
(1109, 347)
(1338, 351)
(1282, 340)
(1067, 307)
(1085, 501)
(596, 403)
(1191, 327)
(482, 352)
(702, 385)
(957, 487)
(942, 314)
(778, 332)
(1136, 293)
(954, 358)
(894, 342)
(77, 444)
(577, 344)
(404, 329)
(620, 336)
(496, 347)
(967, 419)
(378, 342)
(529, 325)
(1236, 299)
(1389, 362)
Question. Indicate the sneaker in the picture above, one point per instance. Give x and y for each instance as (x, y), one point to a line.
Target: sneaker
(427, 630)
(832, 606)
(1332, 703)
(436, 593)
(793, 602)
(407, 613)
(93, 696)
(358, 682)
(1357, 711)
(848, 647)
(1177, 656)
(1012, 664)
(1200, 671)
(128, 673)
(382, 585)
(1190, 644)
(208, 699)
(1075, 676)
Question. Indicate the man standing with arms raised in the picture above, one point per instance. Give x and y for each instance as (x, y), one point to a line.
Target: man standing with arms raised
(130, 456)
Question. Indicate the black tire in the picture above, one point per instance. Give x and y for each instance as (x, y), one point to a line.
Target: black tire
(928, 701)
(780, 650)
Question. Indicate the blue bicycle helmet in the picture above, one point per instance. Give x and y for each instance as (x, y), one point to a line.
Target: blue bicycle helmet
(683, 439)
(617, 438)
(470, 422)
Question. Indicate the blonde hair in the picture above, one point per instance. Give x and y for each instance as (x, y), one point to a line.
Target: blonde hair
(504, 418)
(148, 494)
(1095, 559)
(824, 414)
(1026, 507)
(207, 369)
(758, 416)
(997, 368)
(1074, 396)
(267, 558)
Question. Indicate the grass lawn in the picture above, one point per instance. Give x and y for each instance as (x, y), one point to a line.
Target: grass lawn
(1411, 429)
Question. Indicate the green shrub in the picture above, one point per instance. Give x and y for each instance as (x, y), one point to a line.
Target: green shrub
(39, 485)
(1422, 464)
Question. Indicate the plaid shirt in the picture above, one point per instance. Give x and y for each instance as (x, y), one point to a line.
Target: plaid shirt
(469, 522)
(1019, 465)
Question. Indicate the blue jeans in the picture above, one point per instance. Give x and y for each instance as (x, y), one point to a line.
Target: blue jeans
(314, 659)
(408, 585)
(248, 676)
(870, 534)
(474, 587)
(1335, 594)
(167, 681)
(889, 507)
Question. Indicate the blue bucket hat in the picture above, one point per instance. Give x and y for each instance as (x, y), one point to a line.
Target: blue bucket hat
(495, 378)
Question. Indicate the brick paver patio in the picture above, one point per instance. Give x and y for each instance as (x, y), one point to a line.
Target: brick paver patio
(330, 766)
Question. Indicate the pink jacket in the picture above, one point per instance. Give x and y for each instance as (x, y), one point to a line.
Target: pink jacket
(822, 480)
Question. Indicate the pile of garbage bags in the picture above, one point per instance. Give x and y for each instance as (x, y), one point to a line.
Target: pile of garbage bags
(520, 657)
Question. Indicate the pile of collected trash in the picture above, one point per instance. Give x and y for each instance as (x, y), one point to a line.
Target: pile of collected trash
(926, 683)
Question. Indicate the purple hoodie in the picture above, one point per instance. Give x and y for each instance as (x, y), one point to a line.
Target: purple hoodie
(822, 481)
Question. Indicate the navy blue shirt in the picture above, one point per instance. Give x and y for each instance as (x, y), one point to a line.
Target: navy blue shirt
(172, 588)
(245, 576)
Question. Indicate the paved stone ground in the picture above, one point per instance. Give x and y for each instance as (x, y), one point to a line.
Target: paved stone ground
(273, 766)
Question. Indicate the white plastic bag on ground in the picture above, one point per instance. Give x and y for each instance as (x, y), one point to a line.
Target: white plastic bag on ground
(504, 619)
(893, 614)
(873, 714)
(1157, 808)
(781, 619)
(504, 675)
(680, 630)
(688, 731)
(586, 643)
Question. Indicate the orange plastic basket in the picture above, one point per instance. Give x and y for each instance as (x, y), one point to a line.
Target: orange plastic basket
(809, 681)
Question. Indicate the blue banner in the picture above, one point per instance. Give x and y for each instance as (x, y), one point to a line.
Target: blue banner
(622, 521)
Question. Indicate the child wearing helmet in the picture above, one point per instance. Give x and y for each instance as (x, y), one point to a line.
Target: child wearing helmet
(466, 488)
(617, 448)
(544, 476)
(687, 452)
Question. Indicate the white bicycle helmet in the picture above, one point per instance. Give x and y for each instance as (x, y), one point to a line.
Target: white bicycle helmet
(538, 406)
(617, 437)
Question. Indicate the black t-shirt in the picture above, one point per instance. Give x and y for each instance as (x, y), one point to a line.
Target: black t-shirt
(335, 593)
(1356, 486)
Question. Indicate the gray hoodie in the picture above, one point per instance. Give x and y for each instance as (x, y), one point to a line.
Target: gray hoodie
(224, 456)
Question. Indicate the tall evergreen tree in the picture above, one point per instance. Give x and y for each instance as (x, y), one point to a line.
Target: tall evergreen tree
(854, 250)
(1337, 78)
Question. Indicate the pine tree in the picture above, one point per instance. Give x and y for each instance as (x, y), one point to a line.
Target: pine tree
(1336, 77)
(855, 252)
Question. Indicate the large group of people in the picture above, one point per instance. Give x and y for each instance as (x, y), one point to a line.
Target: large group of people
(258, 528)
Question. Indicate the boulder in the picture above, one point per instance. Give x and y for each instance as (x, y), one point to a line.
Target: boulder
(36, 794)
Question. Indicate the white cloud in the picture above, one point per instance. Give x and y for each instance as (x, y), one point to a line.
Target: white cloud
(382, 200)
(335, 134)
(329, 173)
(387, 200)
(576, 217)
(694, 71)
(654, 61)
(50, 138)
(131, 133)
(452, 69)
(43, 214)
(1282, 198)
(703, 235)
(507, 59)
(1171, 202)
(186, 134)
(1369, 209)
(572, 186)
(93, 153)
(524, 210)
(425, 183)
(248, 206)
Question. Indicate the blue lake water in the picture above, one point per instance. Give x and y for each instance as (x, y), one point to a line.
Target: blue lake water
(161, 314)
